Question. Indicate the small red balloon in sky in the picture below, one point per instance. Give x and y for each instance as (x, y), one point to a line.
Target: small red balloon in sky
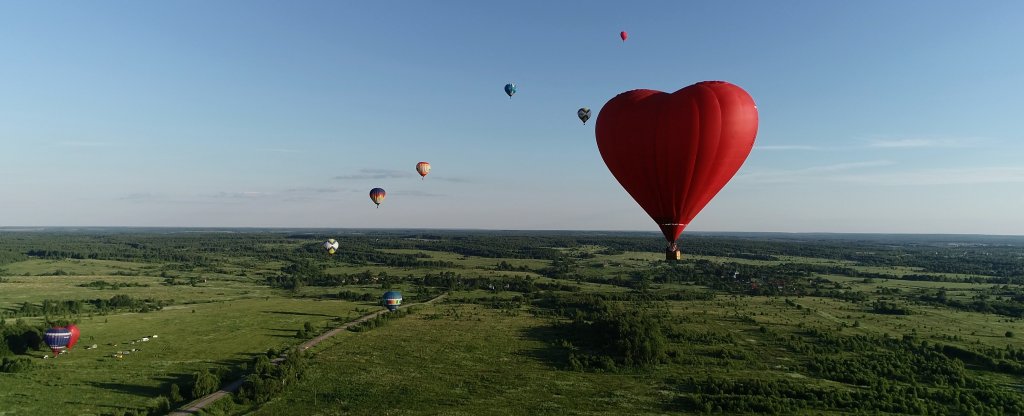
(623, 35)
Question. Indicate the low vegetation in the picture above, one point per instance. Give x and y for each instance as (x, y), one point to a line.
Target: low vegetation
(535, 323)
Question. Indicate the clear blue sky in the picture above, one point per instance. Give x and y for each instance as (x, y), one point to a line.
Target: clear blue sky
(876, 116)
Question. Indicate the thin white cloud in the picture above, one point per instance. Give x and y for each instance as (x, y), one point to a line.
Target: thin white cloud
(313, 194)
(915, 143)
(266, 149)
(838, 167)
(419, 193)
(449, 179)
(862, 173)
(950, 176)
(327, 190)
(886, 143)
(138, 196)
(377, 174)
(286, 195)
(241, 195)
(813, 173)
(76, 143)
(786, 147)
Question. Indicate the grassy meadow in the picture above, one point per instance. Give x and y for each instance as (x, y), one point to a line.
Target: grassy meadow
(533, 324)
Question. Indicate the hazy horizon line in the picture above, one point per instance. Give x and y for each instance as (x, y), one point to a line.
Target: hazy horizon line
(653, 232)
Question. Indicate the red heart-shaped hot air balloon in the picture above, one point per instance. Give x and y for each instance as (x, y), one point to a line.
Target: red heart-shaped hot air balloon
(75, 333)
(674, 152)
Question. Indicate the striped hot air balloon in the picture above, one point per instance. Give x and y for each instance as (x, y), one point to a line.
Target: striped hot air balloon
(392, 300)
(377, 196)
(423, 168)
(57, 339)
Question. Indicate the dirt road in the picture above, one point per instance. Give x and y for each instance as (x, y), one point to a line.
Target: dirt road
(199, 404)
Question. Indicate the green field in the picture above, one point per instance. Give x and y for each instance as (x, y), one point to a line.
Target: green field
(741, 325)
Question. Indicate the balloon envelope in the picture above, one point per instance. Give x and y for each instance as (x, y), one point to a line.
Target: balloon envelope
(331, 245)
(673, 152)
(377, 195)
(510, 89)
(624, 35)
(392, 300)
(423, 168)
(57, 339)
(75, 333)
(583, 114)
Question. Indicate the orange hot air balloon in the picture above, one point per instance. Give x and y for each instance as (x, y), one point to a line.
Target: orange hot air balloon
(423, 168)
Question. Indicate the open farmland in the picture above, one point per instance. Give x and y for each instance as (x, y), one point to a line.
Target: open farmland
(535, 323)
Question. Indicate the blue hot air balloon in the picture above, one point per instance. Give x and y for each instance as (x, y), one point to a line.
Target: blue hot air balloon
(57, 339)
(392, 300)
(510, 89)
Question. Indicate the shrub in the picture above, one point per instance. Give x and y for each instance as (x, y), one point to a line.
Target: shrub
(15, 365)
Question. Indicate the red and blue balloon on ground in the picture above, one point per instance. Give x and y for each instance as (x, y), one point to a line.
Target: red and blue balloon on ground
(61, 339)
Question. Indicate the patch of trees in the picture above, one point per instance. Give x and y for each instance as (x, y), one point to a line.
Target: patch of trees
(267, 380)
(105, 285)
(506, 266)
(712, 395)
(19, 338)
(416, 260)
(537, 246)
(307, 331)
(356, 296)
(608, 336)
(15, 364)
(51, 307)
(561, 268)
(126, 255)
(885, 374)
(496, 302)
(788, 279)
(380, 320)
(1012, 305)
(1007, 361)
(300, 274)
(889, 308)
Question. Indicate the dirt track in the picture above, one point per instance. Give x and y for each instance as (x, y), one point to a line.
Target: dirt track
(199, 404)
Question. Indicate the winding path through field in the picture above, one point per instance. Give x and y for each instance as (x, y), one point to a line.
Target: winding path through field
(199, 404)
